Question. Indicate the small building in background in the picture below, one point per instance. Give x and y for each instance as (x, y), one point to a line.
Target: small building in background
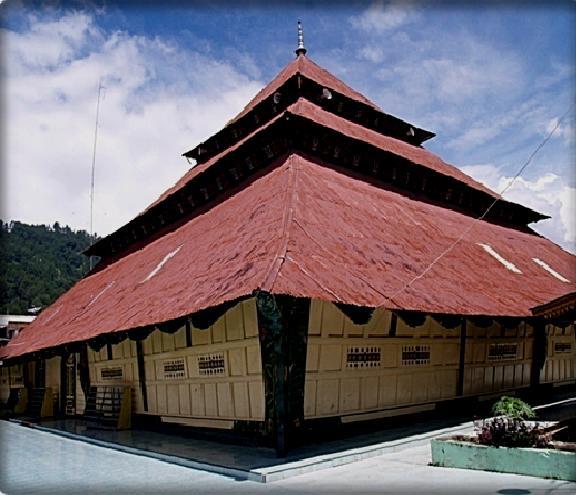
(10, 326)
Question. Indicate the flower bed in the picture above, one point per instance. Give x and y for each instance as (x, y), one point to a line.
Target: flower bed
(544, 463)
(510, 443)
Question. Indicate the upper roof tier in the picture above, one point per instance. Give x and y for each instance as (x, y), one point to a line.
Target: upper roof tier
(303, 78)
(304, 66)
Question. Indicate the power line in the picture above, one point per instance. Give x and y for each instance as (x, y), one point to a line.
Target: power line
(93, 171)
(481, 217)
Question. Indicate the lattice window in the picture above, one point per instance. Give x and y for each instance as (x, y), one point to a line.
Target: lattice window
(115, 373)
(502, 351)
(363, 357)
(211, 364)
(415, 355)
(174, 369)
(562, 347)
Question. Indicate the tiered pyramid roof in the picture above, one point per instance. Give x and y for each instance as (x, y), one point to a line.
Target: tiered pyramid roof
(311, 191)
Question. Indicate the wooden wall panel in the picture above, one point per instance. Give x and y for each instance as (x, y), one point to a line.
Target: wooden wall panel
(221, 375)
(241, 400)
(335, 388)
(310, 398)
(203, 399)
(184, 399)
(369, 393)
(225, 404)
(332, 321)
(327, 397)
(560, 355)
(387, 390)
(173, 399)
(330, 357)
(256, 397)
(349, 394)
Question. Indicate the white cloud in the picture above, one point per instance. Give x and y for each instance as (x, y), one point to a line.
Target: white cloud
(373, 54)
(159, 101)
(548, 194)
(561, 130)
(384, 16)
(528, 115)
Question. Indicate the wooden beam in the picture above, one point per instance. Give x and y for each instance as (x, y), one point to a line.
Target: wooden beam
(142, 373)
(460, 384)
(84, 370)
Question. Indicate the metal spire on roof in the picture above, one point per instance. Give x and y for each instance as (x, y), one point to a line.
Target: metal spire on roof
(300, 50)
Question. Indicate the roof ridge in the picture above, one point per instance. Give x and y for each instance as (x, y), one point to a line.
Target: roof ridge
(329, 75)
(288, 216)
(306, 67)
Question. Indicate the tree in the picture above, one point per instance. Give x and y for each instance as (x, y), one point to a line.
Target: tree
(38, 263)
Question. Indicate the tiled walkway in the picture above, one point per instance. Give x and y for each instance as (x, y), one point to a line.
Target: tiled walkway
(251, 457)
(36, 462)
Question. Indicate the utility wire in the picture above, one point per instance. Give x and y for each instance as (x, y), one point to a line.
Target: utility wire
(481, 217)
(93, 170)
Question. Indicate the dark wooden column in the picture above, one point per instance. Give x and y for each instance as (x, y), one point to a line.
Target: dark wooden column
(84, 369)
(539, 343)
(26, 379)
(462, 362)
(142, 373)
(63, 381)
(283, 332)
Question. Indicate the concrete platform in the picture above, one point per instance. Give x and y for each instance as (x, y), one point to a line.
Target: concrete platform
(35, 462)
(261, 464)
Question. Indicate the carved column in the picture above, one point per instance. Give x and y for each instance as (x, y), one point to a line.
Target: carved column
(283, 332)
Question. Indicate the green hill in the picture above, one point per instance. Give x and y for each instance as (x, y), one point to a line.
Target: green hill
(38, 263)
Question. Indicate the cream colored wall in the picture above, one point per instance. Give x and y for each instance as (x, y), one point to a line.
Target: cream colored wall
(559, 367)
(235, 394)
(332, 389)
(483, 374)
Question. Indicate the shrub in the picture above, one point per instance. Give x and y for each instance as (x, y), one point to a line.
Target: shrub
(508, 429)
(513, 408)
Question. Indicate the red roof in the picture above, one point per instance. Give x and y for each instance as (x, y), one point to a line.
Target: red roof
(304, 66)
(305, 229)
(414, 154)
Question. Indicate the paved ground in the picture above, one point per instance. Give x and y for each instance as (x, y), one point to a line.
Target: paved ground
(35, 462)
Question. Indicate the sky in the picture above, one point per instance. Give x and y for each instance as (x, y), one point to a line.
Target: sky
(491, 81)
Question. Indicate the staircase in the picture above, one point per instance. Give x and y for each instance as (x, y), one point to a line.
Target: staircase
(108, 407)
(35, 402)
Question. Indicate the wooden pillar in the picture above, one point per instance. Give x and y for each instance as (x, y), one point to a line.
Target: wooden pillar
(538, 351)
(142, 373)
(63, 381)
(283, 332)
(84, 370)
(26, 380)
(462, 361)
(40, 373)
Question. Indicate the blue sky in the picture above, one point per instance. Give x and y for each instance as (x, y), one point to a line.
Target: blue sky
(490, 81)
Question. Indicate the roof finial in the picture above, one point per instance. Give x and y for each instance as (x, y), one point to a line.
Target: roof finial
(300, 50)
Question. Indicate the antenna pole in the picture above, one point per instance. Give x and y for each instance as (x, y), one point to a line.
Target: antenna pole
(93, 171)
